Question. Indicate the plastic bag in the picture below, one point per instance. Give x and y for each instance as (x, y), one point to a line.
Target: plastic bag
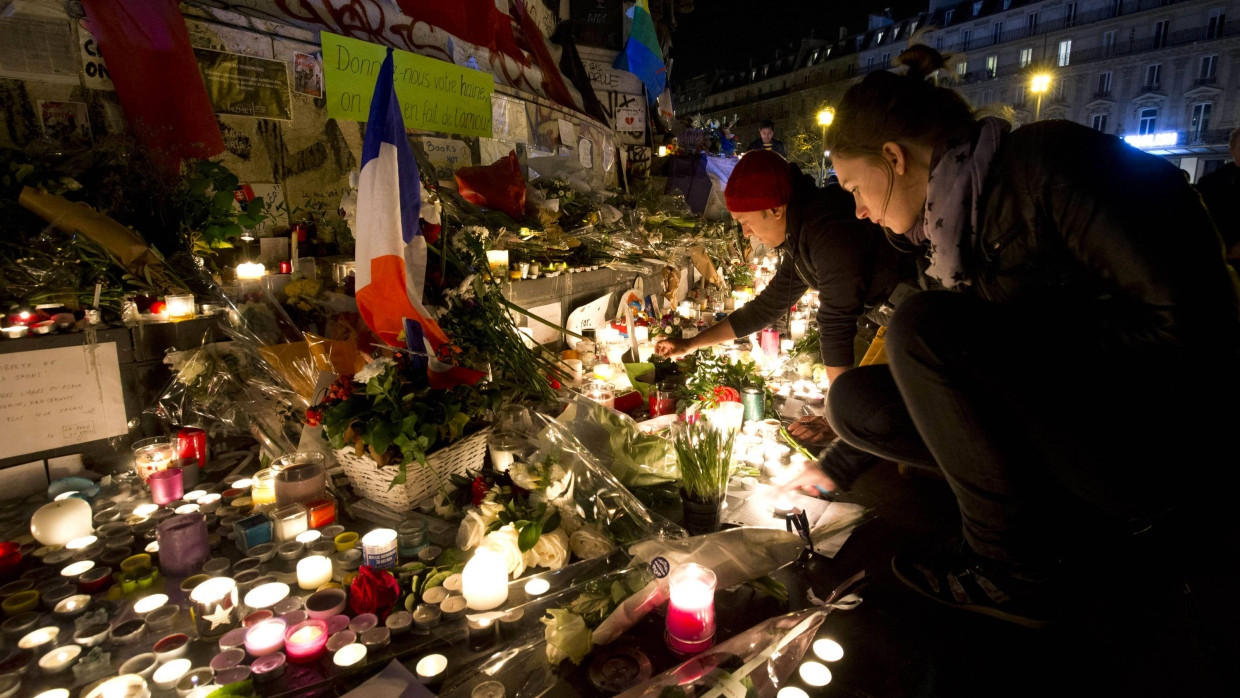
(636, 458)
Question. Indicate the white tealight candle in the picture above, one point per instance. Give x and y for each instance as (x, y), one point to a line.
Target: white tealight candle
(194, 495)
(308, 537)
(149, 603)
(349, 655)
(815, 674)
(145, 509)
(313, 572)
(79, 543)
(250, 271)
(186, 509)
(64, 495)
(537, 587)
(431, 668)
(59, 659)
(791, 692)
(77, 569)
(484, 582)
(828, 650)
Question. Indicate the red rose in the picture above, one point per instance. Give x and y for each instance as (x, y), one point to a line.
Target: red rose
(373, 592)
(478, 490)
(726, 394)
(555, 384)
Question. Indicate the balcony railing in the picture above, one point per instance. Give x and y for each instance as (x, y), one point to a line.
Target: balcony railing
(1102, 94)
(1208, 80)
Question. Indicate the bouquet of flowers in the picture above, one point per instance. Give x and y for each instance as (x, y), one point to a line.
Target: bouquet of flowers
(389, 411)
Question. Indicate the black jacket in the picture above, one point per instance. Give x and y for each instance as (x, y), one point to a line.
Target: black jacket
(1221, 192)
(848, 261)
(776, 145)
(1106, 241)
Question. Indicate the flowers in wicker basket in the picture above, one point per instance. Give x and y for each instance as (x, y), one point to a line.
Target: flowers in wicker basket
(389, 411)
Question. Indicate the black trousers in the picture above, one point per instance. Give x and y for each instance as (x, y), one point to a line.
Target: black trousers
(1042, 437)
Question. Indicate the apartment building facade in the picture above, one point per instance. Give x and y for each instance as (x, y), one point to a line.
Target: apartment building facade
(1159, 73)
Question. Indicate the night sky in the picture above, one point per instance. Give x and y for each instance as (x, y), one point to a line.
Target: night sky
(727, 33)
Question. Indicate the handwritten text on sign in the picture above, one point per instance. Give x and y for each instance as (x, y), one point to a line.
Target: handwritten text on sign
(433, 95)
(59, 397)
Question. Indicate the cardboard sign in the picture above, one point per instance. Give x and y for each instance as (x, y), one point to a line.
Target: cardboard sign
(95, 74)
(447, 155)
(433, 95)
(60, 397)
(590, 316)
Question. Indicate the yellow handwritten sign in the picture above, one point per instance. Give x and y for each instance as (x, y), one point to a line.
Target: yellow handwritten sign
(433, 95)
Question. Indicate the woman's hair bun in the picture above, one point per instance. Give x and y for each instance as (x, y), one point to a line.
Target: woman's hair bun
(921, 61)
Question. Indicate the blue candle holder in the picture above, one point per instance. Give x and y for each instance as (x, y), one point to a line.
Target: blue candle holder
(253, 531)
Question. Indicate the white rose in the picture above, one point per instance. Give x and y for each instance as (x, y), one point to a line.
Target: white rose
(524, 476)
(589, 543)
(489, 511)
(558, 481)
(504, 543)
(443, 505)
(551, 551)
(473, 529)
(372, 369)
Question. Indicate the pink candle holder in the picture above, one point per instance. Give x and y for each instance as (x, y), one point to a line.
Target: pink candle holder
(166, 486)
(305, 641)
(691, 609)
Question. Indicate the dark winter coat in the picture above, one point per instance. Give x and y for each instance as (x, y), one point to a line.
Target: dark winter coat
(827, 248)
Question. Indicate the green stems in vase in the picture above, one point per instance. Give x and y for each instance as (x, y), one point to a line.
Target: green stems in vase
(705, 457)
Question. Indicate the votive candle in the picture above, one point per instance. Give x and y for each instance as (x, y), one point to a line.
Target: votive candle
(305, 641)
(266, 637)
(484, 582)
(313, 572)
(166, 486)
(691, 609)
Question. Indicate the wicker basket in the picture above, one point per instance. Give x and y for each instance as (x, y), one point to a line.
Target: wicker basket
(373, 482)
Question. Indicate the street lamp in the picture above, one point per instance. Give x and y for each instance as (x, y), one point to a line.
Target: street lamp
(825, 116)
(1039, 84)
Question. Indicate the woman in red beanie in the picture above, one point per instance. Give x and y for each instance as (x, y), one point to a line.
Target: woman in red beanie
(823, 247)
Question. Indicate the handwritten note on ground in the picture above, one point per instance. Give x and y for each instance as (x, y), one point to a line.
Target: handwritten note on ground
(59, 397)
(433, 95)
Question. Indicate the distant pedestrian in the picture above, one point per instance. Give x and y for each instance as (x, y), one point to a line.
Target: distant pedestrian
(766, 139)
(1221, 191)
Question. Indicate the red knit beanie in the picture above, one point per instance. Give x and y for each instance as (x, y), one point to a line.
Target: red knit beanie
(761, 180)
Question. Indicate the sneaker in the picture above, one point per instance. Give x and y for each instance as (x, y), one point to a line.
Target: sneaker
(956, 576)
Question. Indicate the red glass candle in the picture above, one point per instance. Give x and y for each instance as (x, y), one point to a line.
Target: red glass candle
(662, 400)
(10, 559)
(322, 511)
(305, 642)
(192, 443)
(769, 341)
(286, 268)
(691, 609)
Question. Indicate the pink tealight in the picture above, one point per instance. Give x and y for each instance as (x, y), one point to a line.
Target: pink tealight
(337, 623)
(268, 668)
(233, 638)
(227, 659)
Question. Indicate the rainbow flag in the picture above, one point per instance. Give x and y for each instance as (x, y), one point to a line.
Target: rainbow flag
(642, 56)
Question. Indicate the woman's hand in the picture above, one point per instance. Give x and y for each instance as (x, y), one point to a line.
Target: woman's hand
(812, 431)
(812, 481)
(672, 348)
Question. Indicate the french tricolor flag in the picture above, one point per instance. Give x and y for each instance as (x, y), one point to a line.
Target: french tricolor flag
(391, 250)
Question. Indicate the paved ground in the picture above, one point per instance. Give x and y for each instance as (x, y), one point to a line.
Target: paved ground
(1146, 630)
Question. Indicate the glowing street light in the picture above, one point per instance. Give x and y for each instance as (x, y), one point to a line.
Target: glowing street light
(825, 116)
(1039, 84)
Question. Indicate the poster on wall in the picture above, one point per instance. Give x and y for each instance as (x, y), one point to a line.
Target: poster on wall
(509, 120)
(94, 71)
(65, 121)
(629, 116)
(433, 95)
(597, 23)
(60, 397)
(245, 85)
(308, 74)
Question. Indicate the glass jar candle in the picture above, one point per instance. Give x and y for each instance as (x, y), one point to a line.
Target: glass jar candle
(601, 392)
(299, 477)
(410, 538)
(214, 606)
(166, 485)
(290, 521)
(263, 488)
(691, 609)
(183, 543)
(379, 548)
(321, 511)
(253, 531)
(152, 455)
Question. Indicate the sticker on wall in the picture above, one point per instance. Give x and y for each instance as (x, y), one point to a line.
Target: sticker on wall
(308, 74)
